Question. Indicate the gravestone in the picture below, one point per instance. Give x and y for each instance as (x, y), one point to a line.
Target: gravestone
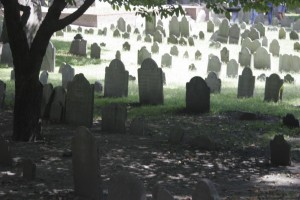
(246, 84)
(197, 96)
(59, 33)
(182, 41)
(213, 82)
(245, 34)
(224, 53)
(234, 34)
(136, 31)
(58, 105)
(143, 53)
(245, 57)
(116, 80)
(232, 68)
(261, 29)
(288, 79)
(290, 121)
(222, 36)
(98, 88)
(174, 27)
(29, 169)
(161, 29)
(80, 102)
(205, 190)
(214, 64)
(254, 46)
(254, 34)
(294, 35)
(69, 28)
(126, 46)
(78, 47)
(116, 33)
(198, 55)
(67, 74)
(166, 60)
(44, 77)
(280, 151)
(191, 41)
(246, 42)
(95, 51)
(264, 42)
(184, 27)
(114, 118)
(49, 58)
(262, 59)
(86, 164)
(79, 29)
(192, 67)
(126, 35)
(128, 28)
(125, 186)
(186, 54)
(173, 39)
(46, 100)
(174, 51)
(201, 35)
(157, 36)
(121, 24)
(150, 83)
(150, 25)
(118, 55)
(210, 27)
(5, 153)
(289, 63)
(297, 46)
(273, 88)
(281, 34)
(243, 25)
(274, 47)
(2, 95)
(155, 48)
(148, 38)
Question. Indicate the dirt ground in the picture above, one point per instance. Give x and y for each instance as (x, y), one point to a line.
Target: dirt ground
(239, 170)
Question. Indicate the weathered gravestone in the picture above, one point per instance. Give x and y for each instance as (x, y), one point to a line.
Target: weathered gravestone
(246, 84)
(116, 33)
(234, 34)
(78, 47)
(150, 82)
(80, 102)
(288, 79)
(264, 41)
(5, 153)
(184, 27)
(197, 96)
(282, 33)
(214, 64)
(95, 51)
(210, 27)
(191, 41)
(273, 88)
(274, 47)
(166, 60)
(86, 165)
(148, 38)
(121, 24)
(174, 27)
(2, 95)
(113, 118)
(58, 105)
(126, 46)
(155, 48)
(294, 35)
(260, 28)
(44, 77)
(262, 59)
(173, 39)
(49, 58)
(232, 68)
(201, 35)
(157, 36)
(174, 51)
(143, 53)
(136, 31)
(198, 55)
(280, 151)
(224, 54)
(222, 36)
(150, 25)
(213, 82)
(46, 100)
(125, 186)
(245, 57)
(205, 190)
(162, 30)
(118, 55)
(29, 169)
(116, 80)
(67, 74)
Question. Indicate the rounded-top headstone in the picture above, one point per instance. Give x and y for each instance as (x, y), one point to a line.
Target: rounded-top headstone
(78, 37)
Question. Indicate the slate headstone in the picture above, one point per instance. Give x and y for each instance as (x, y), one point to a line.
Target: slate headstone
(273, 88)
(246, 84)
(95, 51)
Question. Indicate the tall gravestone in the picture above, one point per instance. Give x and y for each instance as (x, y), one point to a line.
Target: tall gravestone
(158, 36)
(262, 59)
(95, 51)
(174, 27)
(150, 25)
(223, 31)
(246, 84)
(150, 81)
(2, 94)
(273, 88)
(114, 118)
(80, 102)
(78, 47)
(213, 82)
(197, 96)
(234, 34)
(210, 27)
(280, 151)
(116, 80)
(214, 64)
(184, 27)
(274, 47)
(44, 77)
(67, 74)
(58, 105)
(121, 24)
(48, 63)
(86, 165)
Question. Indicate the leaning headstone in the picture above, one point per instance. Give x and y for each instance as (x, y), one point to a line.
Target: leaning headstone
(232, 68)
(121, 24)
(58, 105)
(46, 100)
(273, 88)
(29, 169)
(86, 162)
(282, 33)
(116, 80)
(234, 34)
(294, 35)
(184, 27)
(274, 47)
(5, 153)
(197, 95)
(67, 73)
(174, 27)
(125, 186)
(95, 51)
(223, 31)
(49, 58)
(114, 118)
(213, 82)
(246, 84)
(245, 57)
(280, 151)
(224, 53)
(288, 79)
(210, 27)
(44, 77)
(214, 64)
(155, 48)
(78, 47)
(150, 83)
(205, 190)
(80, 102)
(174, 51)
(2, 95)
(262, 59)
(143, 53)
(166, 60)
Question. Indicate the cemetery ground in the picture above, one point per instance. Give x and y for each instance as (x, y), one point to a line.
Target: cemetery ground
(229, 145)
